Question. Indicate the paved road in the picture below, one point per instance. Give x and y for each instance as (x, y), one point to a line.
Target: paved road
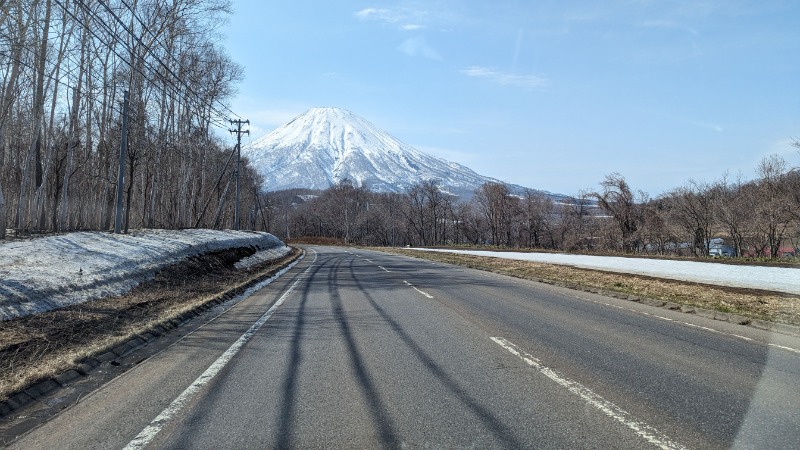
(358, 349)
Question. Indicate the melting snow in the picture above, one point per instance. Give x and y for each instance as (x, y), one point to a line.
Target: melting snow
(777, 279)
(43, 274)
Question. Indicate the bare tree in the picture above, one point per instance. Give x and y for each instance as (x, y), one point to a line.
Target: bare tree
(493, 200)
(731, 208)
(537, 212)
(691, 207)
(773, 209)
(619, 202)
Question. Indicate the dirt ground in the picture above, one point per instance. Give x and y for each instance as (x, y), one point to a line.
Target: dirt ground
(40, 346)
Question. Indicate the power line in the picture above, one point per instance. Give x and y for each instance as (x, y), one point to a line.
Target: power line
(167, 52)
(152, 53)
(112, 47)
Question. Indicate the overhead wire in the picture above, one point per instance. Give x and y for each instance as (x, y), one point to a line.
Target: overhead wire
(176, 93)
(150, 51)
(167, 52)
(114, 37)
(90, 95)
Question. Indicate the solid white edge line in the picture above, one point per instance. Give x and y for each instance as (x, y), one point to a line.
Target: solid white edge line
(142, 439)
(692, 325)
(643, 430)
(789, 349)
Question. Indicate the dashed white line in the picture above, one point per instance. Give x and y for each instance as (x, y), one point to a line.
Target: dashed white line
(142, 439)
(385, 269)
(416, 289)
(645, 431)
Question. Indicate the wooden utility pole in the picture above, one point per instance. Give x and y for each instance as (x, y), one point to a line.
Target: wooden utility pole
(123, 147)
(238, 130)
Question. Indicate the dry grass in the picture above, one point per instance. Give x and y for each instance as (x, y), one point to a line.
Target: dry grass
(315, 240)
(750, 303)
(43, 345)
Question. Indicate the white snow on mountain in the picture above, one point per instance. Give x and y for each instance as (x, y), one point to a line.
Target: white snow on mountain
(324, 146)
(42, 274)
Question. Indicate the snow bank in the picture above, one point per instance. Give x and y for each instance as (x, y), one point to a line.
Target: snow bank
(43, 274)
(777, 279)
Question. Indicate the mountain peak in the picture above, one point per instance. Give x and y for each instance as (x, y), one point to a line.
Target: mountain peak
(324, 146)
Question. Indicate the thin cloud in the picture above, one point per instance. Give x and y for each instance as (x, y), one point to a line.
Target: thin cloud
(668, 24)
(506, 78)
(417, 46)
(406, 20)
(379, 14)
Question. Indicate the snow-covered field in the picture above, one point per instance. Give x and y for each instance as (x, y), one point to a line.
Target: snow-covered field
(757, 277)
(42, 274)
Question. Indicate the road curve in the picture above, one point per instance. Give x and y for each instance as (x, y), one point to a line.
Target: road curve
(355, 348)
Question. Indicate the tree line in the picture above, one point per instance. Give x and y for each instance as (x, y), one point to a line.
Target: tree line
(66, 64)
(64, 68)
(759, 217)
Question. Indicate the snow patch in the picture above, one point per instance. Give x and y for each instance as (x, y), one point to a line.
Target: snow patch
(262, 256)
(778, 279)
(43, 274)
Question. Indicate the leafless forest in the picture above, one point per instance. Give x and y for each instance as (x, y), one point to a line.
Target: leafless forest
(64, 68)
(755, 218)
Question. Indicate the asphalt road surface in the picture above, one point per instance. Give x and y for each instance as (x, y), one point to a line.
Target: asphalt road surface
(359, 349)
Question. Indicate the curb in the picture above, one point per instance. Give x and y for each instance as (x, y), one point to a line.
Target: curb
(84, 367)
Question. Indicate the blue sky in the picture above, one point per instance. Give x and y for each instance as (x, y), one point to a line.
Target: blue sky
(550, 95)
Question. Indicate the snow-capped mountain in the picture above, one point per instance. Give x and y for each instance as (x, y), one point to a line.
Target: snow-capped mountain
(324, 146)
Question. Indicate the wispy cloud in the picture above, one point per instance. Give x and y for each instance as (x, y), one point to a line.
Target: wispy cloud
(404, 19)
(380, 14)
(668, 24)
(506, 78)
(417, 46)
(710, 126)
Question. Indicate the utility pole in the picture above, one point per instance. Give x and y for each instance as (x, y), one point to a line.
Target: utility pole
(238, 130)
(123, 147)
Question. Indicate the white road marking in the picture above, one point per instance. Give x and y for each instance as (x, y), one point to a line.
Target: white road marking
(789, 349)
(645, 431)
(416, 289)
(384, 268)
(142, 439)
(692, 325)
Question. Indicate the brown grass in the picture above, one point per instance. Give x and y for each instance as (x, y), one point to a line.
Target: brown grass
(750, 303)
(40, 346)
(315, 240)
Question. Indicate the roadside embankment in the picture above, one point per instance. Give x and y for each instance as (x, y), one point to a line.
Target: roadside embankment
(39, 349)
